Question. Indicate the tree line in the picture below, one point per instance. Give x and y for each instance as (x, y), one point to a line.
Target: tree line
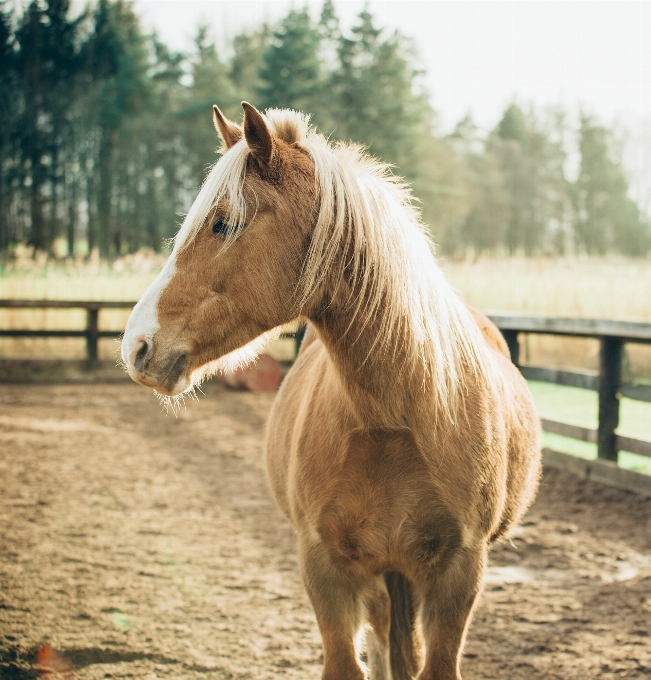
(105, 134)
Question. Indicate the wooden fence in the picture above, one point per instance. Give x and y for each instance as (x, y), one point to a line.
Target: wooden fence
(607, 382)
(91, 332)
(612, 336)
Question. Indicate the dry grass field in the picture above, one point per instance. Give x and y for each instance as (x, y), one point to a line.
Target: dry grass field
(598, 288)
(614, 288)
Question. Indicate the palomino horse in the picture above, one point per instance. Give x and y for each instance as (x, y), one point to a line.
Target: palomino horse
(403, 441)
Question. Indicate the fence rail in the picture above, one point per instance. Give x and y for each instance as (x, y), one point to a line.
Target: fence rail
(612, 336)
(91, 332)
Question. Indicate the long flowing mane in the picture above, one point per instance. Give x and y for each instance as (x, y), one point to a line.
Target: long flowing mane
(394, 274)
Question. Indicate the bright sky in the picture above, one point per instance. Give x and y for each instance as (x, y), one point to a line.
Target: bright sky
(479, 55)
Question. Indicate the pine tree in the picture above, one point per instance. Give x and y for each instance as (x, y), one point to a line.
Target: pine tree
(533, 180)
(47, 62)
(9, 93)
(441, 185)
(117, 59)
(211, 84)
(211, 80)
(145, 161)
(487, 202)
(246, 61)
(330, 34)
(605, 216)
(290, 69)
(376, 96)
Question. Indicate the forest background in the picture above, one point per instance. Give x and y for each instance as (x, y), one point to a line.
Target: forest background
(105, 135)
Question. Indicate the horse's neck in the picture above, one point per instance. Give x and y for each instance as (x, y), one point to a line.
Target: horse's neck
(379, 382)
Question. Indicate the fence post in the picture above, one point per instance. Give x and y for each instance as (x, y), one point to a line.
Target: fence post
(610, 369)
(511, 338)
(92, 335)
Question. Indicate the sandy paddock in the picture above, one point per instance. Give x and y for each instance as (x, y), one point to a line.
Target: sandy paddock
(143, 545)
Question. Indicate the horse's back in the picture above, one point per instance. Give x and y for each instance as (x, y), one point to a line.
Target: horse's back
(491, 332)
(523, 447)
(523, 430)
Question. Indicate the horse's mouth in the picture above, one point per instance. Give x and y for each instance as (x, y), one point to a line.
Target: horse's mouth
(170, 380)
(175, 373)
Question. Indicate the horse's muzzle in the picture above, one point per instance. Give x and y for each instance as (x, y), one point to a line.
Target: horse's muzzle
(164, 374)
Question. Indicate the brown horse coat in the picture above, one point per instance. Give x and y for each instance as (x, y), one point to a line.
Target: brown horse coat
(403, 441)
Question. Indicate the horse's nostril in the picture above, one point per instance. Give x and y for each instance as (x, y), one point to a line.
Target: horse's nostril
(139, 361)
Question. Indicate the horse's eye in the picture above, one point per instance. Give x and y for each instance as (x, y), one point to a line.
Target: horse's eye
(220, 227)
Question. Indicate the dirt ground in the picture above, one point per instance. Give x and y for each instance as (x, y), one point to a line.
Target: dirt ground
(143, 545)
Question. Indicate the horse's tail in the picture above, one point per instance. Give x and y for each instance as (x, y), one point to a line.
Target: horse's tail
(403, 641)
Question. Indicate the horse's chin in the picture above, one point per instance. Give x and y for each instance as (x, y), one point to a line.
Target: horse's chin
(164, 386)
(188, 380)
(183, 384)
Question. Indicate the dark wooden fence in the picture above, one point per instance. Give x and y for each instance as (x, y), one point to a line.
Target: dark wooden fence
(607, 382)
(612, 336)
(91, 332)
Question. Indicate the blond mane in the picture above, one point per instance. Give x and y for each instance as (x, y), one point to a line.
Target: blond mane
(394, 273)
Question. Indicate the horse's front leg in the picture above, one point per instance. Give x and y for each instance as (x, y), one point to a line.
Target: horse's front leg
(337, 602)
(448, 598)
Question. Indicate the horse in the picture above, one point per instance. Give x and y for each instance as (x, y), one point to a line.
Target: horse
(403, 441)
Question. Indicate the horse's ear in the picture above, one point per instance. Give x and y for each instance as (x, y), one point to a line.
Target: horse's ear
(257, 135)
(230, 132)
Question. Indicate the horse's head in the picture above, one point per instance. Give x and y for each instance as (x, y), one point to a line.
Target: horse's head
(234, 272)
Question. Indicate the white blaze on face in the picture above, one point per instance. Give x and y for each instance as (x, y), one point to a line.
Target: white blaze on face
(143, 322)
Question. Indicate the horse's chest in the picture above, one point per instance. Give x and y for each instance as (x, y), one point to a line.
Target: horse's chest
(383, 511)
